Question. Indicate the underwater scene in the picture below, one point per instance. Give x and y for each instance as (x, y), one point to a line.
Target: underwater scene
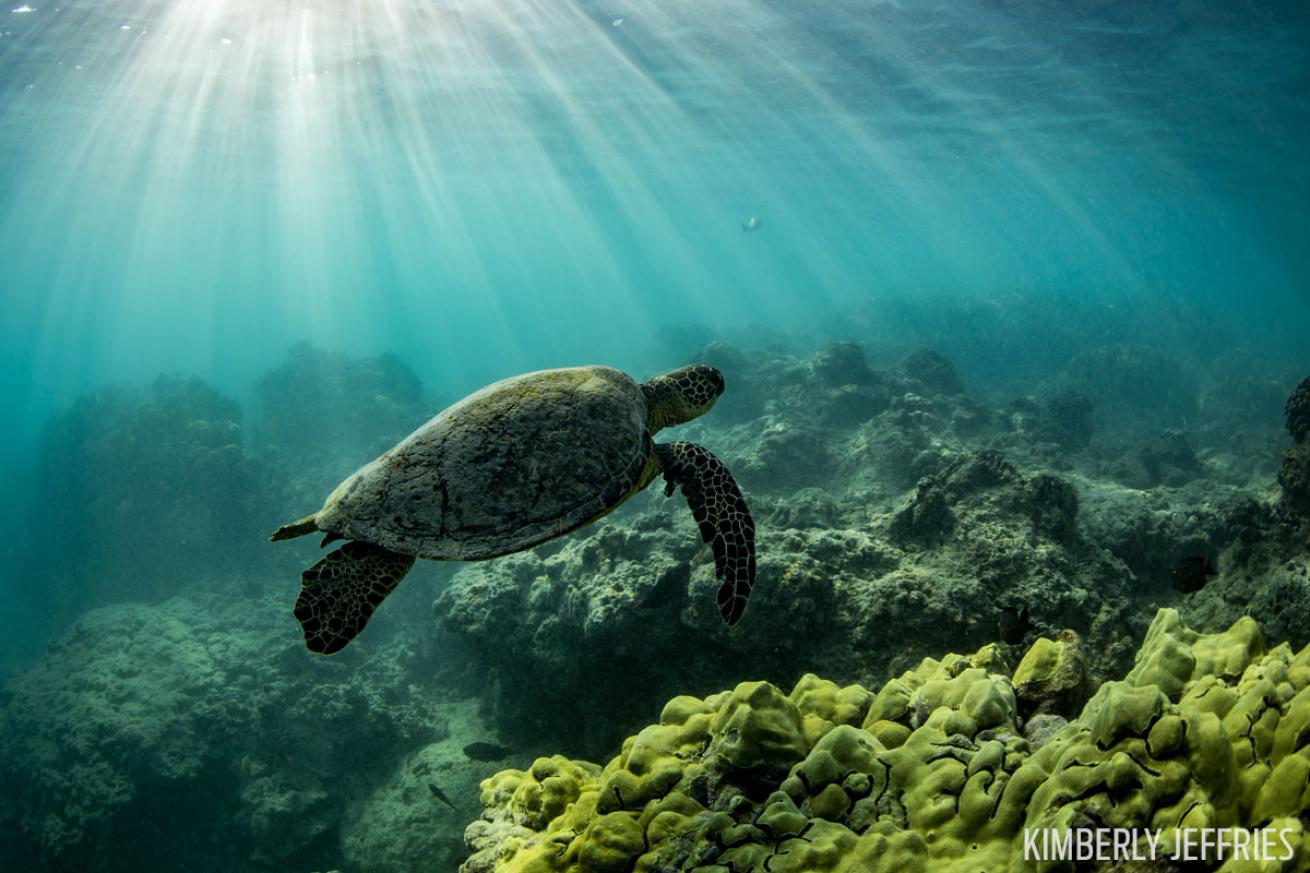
(642, 436)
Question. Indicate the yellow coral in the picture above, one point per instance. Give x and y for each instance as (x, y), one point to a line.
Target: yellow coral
(932, 772)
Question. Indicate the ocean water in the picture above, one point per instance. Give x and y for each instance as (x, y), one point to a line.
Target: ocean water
(337, 218)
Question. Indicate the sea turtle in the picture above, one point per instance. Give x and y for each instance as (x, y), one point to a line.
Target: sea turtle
(517, 463)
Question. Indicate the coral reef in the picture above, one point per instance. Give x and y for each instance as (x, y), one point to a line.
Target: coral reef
(1167, 459)
(857, 599)
(934, 372)
(144, 492)
(899, 516)
(1069, 420)
(1294, 477)
(198, 734)
(139, 489)
(1297, 410)
(1134, 385)
(931, 772)
(1294, 473)
(895, 517)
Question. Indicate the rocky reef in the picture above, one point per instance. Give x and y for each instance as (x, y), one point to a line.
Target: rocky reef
(902, 511)
(1294, 474)
(139, 489)
(198, 734)
(940, 769)
(174, 718)
(145, 492)
(897, 516)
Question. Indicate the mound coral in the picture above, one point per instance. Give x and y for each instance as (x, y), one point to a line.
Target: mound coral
(933, 772)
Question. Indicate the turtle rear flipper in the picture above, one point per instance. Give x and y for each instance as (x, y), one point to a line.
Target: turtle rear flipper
(296, 529)
(340, 592)
(722, 516)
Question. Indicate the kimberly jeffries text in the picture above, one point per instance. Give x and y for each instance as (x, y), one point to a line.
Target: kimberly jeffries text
(1146, 844)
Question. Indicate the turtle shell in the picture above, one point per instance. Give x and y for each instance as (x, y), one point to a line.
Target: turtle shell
(519, 462)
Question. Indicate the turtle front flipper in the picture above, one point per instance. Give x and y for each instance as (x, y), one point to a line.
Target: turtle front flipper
(340, 592)
(721, 514)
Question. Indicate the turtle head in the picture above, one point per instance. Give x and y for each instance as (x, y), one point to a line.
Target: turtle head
(681, 395)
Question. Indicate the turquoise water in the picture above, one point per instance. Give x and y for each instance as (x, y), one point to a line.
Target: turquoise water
(486, 187)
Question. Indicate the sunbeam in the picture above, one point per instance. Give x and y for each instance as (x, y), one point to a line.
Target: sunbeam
(555, 177)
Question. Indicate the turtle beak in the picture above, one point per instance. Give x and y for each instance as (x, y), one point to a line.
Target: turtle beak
(716, 378)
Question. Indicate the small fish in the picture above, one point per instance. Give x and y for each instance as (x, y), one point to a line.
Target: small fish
(1192, 572)
(750, 225)
(484, 751)
(618, 22)
(1013, 625)
(441, 795)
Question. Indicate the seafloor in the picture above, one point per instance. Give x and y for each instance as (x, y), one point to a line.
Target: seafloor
(909, 502)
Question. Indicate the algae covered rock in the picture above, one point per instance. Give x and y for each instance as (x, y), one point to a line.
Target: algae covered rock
(319, 412)
(1044, 500)
(932, 772)
(842, 363)
(1068, 420)
(1133, 385)
(1294, 477)
(196, 734)
(628, 596)
(1052, 677)
(933, 371)
(141, 487)
(1169, 459)
(1297, 410)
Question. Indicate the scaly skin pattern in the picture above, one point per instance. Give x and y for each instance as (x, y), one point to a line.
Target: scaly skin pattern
(340, 593)
(681, 395)
(721, 514)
